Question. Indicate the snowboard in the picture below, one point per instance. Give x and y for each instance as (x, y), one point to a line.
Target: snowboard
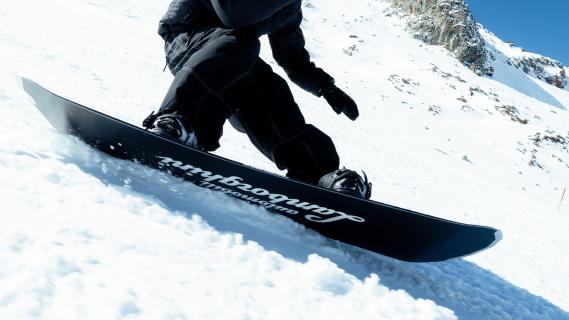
(385, 229)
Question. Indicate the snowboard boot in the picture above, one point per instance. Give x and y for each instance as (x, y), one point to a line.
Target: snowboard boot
(348, 182)
(172, 126)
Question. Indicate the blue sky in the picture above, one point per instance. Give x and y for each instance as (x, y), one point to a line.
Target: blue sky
(537, 26)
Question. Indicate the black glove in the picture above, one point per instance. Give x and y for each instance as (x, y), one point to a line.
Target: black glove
(341, 102)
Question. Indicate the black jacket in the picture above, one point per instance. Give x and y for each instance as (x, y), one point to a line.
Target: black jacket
(279, 19)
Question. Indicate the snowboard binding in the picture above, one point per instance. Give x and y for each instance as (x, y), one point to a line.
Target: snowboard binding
(348, 182)
(171, 126)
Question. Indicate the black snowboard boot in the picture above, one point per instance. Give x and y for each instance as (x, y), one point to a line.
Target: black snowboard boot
(172, 126)
(348, 182)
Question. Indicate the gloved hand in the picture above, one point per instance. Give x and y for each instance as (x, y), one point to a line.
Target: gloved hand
(341, 102)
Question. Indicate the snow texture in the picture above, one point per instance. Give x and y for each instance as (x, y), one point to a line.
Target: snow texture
(86, 236)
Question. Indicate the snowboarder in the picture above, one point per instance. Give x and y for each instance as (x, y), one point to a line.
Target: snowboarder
(212, 49)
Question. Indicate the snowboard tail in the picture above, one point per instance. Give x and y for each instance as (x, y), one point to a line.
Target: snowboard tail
(395, 232)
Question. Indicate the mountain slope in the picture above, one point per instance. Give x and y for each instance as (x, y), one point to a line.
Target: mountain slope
(79, 227)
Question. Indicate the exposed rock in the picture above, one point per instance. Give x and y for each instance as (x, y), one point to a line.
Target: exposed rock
(434, 110)
(351, 50)
(449, 23)
(543, 68)
(478, 90)
(511, 112)
(446, 75)
(534, 163)
(556, 144)
(403, 84)
(551, 138)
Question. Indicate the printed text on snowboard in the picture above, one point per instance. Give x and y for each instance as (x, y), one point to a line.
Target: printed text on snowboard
(230, 185)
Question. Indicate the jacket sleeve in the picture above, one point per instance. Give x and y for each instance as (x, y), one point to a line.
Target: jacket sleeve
(241, 13)
(288, 49)
(180, 16)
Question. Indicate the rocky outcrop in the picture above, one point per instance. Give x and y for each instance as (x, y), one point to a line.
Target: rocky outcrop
(449, 23)
(543, 68)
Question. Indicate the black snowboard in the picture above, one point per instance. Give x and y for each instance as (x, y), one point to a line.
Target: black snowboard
(378, 227)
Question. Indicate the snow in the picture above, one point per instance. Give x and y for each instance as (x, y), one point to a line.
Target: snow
(86, 236)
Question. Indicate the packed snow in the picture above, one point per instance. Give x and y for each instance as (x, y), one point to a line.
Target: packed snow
(86, 236)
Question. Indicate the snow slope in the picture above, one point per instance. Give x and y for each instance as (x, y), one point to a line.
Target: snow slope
(86, 236)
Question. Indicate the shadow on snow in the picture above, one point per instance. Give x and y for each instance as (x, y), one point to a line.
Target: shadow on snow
(470, 291)
(516, 79)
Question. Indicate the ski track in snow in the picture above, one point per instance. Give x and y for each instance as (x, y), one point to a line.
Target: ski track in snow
(86, 236)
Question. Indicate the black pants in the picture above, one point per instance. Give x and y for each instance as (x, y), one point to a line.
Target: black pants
(219, 76)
